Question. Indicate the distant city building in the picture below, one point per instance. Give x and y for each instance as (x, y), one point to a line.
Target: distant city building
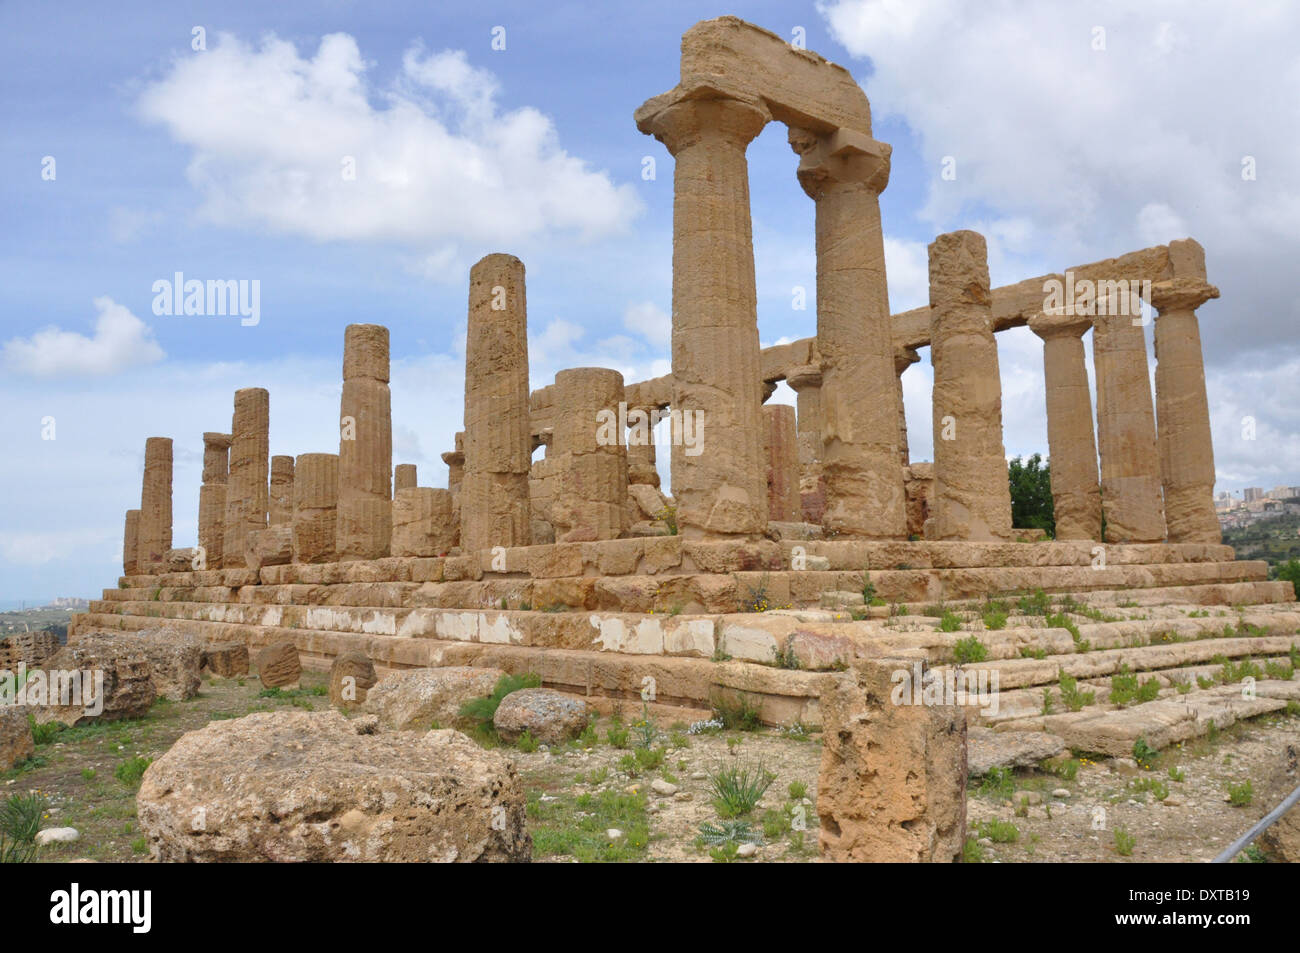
(1252, 493)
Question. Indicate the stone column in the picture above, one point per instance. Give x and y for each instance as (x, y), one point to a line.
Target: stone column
(782, 445)
(1182, 408)
(421, 521)
(498, 441)
(455, 460)
(131, 544)
(155, 539)
(641, 464)
(588, 455)
(1126, 432)
(246, 490)
(281, 501)
(806, 381)
(315, 503)
(972, 498)
(904, 357)
(365, 516)
(717, 476)
(1076, 493)
(212, 497)
(844, 173)
(404, 477)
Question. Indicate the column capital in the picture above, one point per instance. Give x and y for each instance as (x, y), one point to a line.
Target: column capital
(904, 357)
(685, 117)
(1181, 294)
(216, 441)
(840, 157)
(1050, 325)
(804, 375)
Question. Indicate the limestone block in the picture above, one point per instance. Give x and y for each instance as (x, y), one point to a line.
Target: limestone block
(128, 689)
(781, 444)
(404, 477)
(247, 488)
(131, 544)
(420, 699)
(281, 493)
(16, 742)
(272, 546)
(315, 505)
(421, 522)
(225, 659)
(352, 675)
(278, 665)
(550, 717)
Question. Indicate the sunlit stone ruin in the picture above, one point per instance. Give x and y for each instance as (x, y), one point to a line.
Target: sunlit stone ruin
(802, 558)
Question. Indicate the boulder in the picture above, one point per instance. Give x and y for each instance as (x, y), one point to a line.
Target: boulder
(988, 749)
(174, 662)
(115, 681)
(278, 665)
(351, 677)
(423, 697)
(16, 744)
(649, 501)
(309, 787)
(817, 651)
(551, 717)
(1281, 842)
(225, 659)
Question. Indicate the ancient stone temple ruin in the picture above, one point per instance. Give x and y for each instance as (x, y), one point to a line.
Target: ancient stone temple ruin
(800, 549)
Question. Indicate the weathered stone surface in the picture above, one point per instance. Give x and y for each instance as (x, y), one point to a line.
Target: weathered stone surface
(919, 481)
(131, 543)
(844, 172)
(551, 717)
(155, 526)
(364, 517)
(27, 648)
(272, 546)
(642, 469)
(281, 493)
(650, 502)
(128, 688)
(904, 357)
(421, 698)
(494, 508)
(892, 785)
(278, 665)
(818, 651)
(715, 353)
(315, 507)
(1281, 842)
(182, 560)
(588, 456)
(405, 477)
(225, 659)
(16, 742)
(422, 522)
(247, 487)
(352, 675)
(174, 661)
(307, 786)
(972, 499)
(988, 749)
(780, 444)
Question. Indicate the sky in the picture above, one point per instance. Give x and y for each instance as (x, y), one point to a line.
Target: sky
(354, 159)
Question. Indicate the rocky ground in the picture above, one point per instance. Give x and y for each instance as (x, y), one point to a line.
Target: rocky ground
(606, 798)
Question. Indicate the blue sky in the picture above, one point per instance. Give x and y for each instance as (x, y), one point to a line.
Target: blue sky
(222, 163)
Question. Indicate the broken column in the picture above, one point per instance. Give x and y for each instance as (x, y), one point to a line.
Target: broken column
(455, 460)
(1126, 431)
(641, 464)
(782, 445)
(365, 517)
(1076, 493)
(281, 499)
(421, 522)
(806, 381)
(588, 456)
(131, 544)
(155, 528)
(212, 497)
(1182, 408)
(246, 489)
(494, 508)
(718, 482)
(904, 357)
(315, 504)
(844, 172)
(892, 786)
(972, 497)
(404, 477)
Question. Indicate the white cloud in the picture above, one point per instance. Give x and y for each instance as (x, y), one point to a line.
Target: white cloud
(120, 340)
(651, 322)
(438, 165)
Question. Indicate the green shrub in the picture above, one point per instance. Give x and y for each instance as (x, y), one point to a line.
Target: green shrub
(130, 771)
(483, 710)
(526, 742)
(949, 621)
(1000, 832)
(737, 788)
(737, 712)
(1124, 842)
(1241, 793)
(969, 650)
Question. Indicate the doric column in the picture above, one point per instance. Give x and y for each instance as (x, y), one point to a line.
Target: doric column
(1076, 494)
(641, 466)
(1182, 408)
(806, 381)
(972, 498)
(781, 444)
(421, 521)
(844, 173)
(904, 357)
(212, 497)
(246, 490)
(155, 506)
(1126, 431)
(131, 544)
(455, 460)
(498, 443)
(315, 507)
(365, 516)
(405, 477)
(281, 499)
(717, 457)
(588, 455)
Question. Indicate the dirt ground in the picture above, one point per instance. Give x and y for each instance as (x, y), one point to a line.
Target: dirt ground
(594, 801)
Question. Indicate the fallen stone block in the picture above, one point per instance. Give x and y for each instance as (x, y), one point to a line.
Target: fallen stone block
(988, 749)
(551, 717)
(419, 699)
(278, 665)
